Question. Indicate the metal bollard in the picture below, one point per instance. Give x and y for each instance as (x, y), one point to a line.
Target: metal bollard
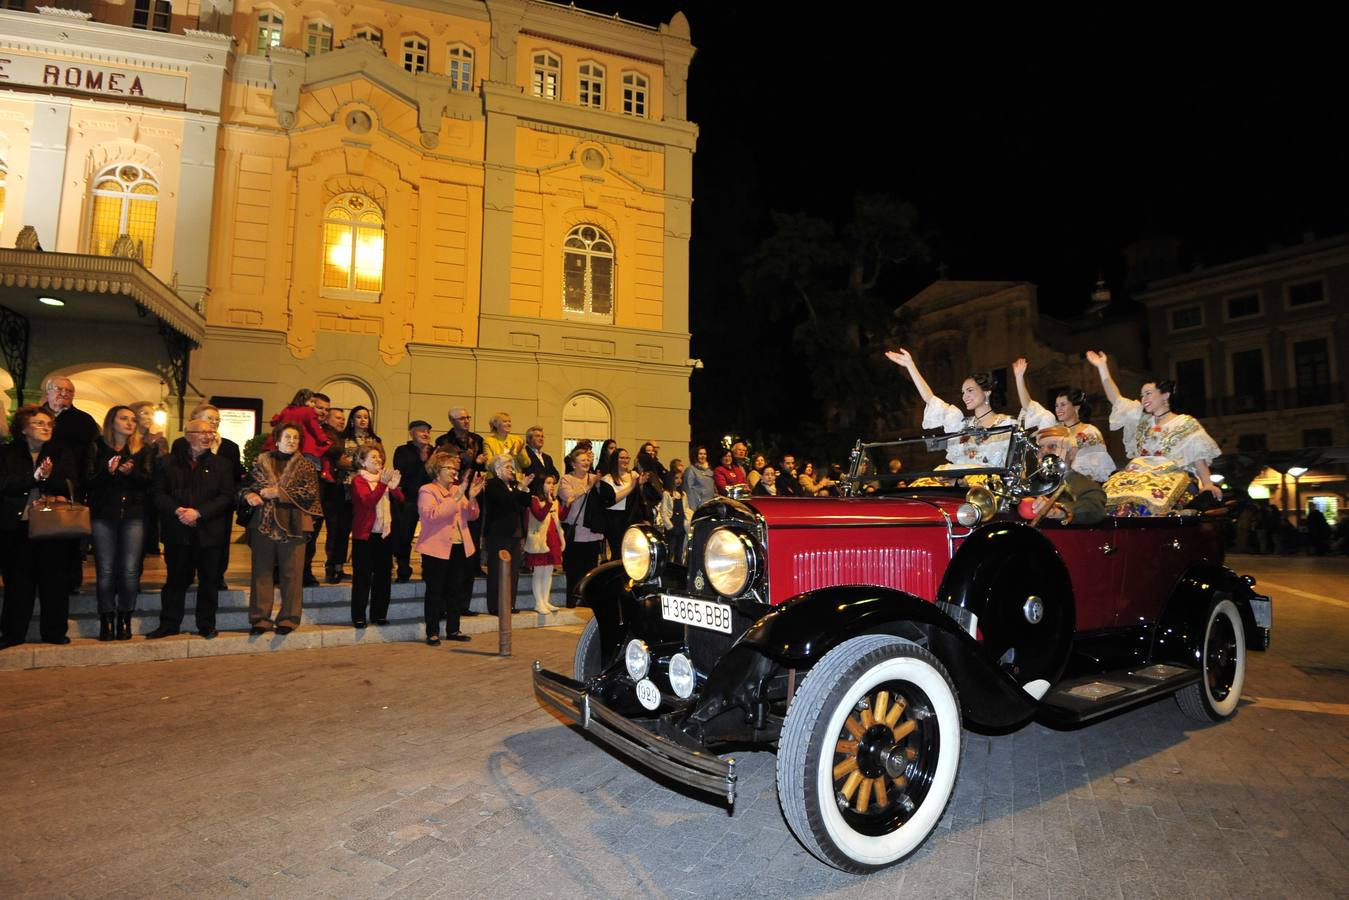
(505, 604)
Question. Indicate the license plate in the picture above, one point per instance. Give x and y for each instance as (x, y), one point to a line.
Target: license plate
(1264, 616)
(698, 613)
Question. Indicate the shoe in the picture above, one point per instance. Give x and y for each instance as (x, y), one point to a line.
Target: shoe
(359, 623)
(545, 610)
(162, 631)
(334, 577)
(284, 629)
(222, 586)
(257, 630)
(458, 636)
(124, 625)
(106, 623)
(433, 640)
(63, 639)
(403, 579)
(310, 580)
(208, 634)
(381, 621)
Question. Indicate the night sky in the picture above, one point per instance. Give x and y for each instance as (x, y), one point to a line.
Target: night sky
(1034, 149)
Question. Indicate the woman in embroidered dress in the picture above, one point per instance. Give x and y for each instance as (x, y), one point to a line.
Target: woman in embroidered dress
(1159, 442)
(1071, 410)
(543, 542)
(976, 392)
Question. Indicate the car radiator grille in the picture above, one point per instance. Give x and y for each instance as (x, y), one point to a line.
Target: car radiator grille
(901, 568)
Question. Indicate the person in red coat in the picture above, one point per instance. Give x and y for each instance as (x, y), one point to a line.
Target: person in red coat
(374, 490)
(727, 474)
(314, 441)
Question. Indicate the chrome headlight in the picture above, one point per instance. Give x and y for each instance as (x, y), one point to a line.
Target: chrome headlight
(637, 659)
(681, 676)
(967, 514)
(643, 552)
(729, 561)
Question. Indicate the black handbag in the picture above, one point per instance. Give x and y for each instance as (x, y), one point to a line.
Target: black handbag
(244, 513)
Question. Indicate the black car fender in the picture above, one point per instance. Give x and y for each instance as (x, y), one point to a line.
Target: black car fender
(1179, 636)
(1008, 585)
(799, 632)
(622, 613)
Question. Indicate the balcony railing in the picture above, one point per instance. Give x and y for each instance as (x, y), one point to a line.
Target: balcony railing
(1270, 401)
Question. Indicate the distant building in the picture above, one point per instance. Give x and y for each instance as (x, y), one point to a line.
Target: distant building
(407, 205)
(1256, 347)
(971, 326)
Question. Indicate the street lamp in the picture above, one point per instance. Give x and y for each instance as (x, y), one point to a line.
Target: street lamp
(1297, 472)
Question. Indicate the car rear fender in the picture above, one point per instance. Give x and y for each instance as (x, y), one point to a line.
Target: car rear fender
(1179, 637)
(799, 632)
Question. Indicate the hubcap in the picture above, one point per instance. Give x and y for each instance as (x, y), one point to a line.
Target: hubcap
(1220, 660)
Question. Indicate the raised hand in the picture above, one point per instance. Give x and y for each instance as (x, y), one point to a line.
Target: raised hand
(1019, 367)
(1097, 358)
(43, 470)
(901, 357)
(114, 463)
(395, 479)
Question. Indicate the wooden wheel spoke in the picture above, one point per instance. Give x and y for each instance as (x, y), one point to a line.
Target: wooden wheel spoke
(881, 705)
(878, 788)
(853, 728)
(846, 747)
(905, 729)
(846, 767)
(868, 719)
(864, 796)
(851, 784)
(895, 712)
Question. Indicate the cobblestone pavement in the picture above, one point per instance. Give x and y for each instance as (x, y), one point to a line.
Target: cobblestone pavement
(406, 771)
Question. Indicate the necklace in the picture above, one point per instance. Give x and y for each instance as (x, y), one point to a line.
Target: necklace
(987, 412)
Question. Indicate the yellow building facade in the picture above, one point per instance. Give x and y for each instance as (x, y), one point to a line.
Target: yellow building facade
(411, 205)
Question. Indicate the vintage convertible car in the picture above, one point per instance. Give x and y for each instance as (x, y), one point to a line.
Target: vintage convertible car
(857, 635)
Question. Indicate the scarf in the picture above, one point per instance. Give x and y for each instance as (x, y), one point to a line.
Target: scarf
(382, 510)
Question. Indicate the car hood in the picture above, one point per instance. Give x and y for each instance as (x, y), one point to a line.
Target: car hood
(789, 512)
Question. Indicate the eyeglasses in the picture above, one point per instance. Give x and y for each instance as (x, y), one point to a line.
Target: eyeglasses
(61, 390)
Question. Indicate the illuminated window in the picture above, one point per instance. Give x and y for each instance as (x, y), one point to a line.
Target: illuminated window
(369, 33)
(151, 15)
(634, 94)
(126, 201)
(270, 24)
(318, 38)
(414, 53)
(547, 74)
(460, 68)
(353, 249)
(588, 274)
(590, 86)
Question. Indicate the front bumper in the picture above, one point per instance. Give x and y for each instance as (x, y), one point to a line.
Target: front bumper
(694, 768)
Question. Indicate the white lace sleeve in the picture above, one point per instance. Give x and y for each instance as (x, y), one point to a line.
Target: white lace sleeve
(1196, 447)
(1033, 415)
(1125, 413)
(940, 414)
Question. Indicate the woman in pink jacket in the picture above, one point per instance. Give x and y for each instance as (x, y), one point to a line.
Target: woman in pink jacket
(445, 506)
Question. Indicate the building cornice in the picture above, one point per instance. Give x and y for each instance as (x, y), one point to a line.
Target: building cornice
(510, 100)
(1290, 262)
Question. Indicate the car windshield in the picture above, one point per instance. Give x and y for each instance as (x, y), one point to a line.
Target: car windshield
(941, 459)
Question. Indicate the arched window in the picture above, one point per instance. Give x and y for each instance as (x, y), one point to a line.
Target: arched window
(348, 393)
(126, 201)
(585, 418)
(369, 33)
(318, 38)
(634, 94)
(460, 67)
(414, 53)
(270, 24)
(590, 85)
(546, 75)
(353, 249)
(588, 274)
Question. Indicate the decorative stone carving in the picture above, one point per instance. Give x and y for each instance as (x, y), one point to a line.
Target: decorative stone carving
(27, 239)
(125, 247)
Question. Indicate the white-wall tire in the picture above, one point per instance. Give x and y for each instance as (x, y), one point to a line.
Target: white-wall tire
(856, 836)
(588, 660)
(1223, 666)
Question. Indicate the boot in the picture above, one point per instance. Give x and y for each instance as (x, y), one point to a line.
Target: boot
(124, 625)
(105, 625)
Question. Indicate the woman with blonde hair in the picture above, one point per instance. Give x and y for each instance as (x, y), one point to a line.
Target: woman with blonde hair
(119, 505)
(445, 506)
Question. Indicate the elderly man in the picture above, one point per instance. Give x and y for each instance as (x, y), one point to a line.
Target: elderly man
(532, 460)
(469, 447)
(410, 461)
(75, 433)
(194, 491)
(1082, 501)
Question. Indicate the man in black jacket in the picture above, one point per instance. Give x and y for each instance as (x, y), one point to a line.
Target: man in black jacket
(194, 490)
(540, 464)
(73, 430)
(410, 461)
(228, 452)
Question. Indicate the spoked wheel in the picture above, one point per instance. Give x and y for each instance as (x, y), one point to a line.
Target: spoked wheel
(1223, 660)
(869, 753)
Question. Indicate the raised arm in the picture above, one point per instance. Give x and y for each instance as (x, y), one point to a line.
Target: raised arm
(904, 359)
(1019, 371)
(1102, 364)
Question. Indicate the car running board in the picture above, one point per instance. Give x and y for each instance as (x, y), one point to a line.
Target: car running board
(1081, 699)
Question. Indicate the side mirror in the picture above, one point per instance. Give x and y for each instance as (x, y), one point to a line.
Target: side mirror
(738, 492)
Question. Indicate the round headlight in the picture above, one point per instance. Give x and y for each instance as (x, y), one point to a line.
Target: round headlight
(636, 551)
(637, 659)
(681, 676)
(726, 561)
(967, 514)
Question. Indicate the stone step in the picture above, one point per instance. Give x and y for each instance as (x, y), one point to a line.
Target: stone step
(91, 652)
